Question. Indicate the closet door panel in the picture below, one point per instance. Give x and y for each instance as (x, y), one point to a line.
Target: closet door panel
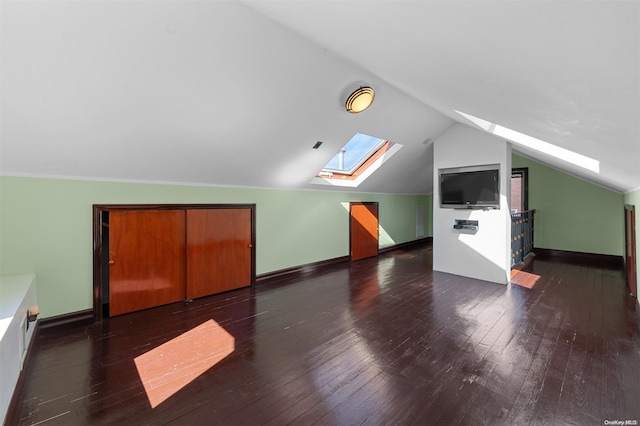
(146, 259)
(218, 250)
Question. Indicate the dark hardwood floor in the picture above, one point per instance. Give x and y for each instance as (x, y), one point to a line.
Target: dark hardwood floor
(383, 340)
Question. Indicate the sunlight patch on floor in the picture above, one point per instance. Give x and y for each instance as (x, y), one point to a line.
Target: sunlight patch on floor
(524, 279)
(174, 364)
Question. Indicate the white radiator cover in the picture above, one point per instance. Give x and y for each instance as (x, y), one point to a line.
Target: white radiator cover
(17, 295)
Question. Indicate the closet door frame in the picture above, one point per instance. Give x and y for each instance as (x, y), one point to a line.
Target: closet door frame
(99, 212)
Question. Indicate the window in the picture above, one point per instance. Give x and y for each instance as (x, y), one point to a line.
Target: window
(358, 150)
(519, 190)
(356, 161)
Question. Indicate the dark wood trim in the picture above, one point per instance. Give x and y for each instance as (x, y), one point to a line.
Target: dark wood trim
(609, 260)
(125, 207)
(99, 209)
(630, 249)
(97, 262)
(253, 242)
(84, 317)
(323, 265)
(301, 269)
(407, 245)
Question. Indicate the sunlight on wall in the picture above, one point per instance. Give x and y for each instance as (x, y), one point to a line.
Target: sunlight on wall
(479, 242)
(536, 144)
(384, 239)
(173, 365)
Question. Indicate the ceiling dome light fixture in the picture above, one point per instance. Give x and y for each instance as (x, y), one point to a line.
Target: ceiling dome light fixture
(360, 100)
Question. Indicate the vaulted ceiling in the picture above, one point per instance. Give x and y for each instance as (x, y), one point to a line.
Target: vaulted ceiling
(237, 93)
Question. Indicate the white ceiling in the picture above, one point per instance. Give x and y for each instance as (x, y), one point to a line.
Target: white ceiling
(237, 93)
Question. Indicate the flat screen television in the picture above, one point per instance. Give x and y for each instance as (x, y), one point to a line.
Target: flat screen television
(470, 187)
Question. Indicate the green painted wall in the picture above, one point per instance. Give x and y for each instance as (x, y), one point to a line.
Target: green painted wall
(572, 214)
(46, 227)
(633, 198)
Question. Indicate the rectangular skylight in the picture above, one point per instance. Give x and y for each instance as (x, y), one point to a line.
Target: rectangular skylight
(358, 150)
(356, 161)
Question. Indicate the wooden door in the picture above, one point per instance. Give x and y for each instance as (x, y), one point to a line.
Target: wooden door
(219, 250)
(146, 259)
(630, 248)
(363, 233)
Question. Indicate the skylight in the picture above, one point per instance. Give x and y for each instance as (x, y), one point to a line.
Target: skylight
(359, 148)
(533, 143)
(356, 161)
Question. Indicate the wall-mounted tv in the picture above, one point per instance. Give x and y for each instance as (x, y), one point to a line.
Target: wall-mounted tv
(470, 187)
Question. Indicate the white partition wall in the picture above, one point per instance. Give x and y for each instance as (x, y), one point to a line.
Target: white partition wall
(484, 253)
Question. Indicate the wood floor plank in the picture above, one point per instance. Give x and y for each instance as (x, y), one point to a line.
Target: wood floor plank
(385, 340)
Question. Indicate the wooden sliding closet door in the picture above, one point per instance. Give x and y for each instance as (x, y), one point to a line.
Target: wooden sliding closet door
(219, 250)
(146, 259)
